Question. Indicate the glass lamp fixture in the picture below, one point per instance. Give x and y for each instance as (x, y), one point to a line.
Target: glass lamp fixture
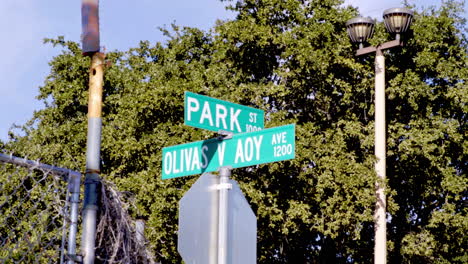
(397, 20)
(360, 29)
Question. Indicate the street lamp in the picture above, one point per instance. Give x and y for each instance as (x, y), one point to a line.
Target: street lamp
(360, 29)
(397, 20)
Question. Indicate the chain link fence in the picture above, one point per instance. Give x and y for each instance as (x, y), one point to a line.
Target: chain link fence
(39, 217)
(38, 212)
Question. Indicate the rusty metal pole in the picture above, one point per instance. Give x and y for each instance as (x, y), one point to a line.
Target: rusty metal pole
(92, 179)
(90, 42)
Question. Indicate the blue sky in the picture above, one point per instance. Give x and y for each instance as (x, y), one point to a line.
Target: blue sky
(123, 23)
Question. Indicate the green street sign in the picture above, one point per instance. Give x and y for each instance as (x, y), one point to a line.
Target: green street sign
(213, 114)
(242, 150)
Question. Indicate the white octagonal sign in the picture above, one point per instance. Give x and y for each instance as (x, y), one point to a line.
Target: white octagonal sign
(198, 224)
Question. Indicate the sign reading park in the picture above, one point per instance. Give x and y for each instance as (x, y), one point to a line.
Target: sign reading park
(242, 150)
(215, 115)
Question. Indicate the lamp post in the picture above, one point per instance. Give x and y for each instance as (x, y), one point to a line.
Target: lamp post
(397, 20)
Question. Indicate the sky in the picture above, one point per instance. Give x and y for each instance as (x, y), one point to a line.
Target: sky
(123, 23)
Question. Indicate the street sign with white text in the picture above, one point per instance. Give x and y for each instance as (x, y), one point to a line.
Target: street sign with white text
(213, 114)
(242, 150)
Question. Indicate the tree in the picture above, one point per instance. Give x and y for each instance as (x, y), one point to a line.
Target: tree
(292, 59)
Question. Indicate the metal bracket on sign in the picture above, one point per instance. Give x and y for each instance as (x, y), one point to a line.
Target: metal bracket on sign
(223, 134)
(223, 186)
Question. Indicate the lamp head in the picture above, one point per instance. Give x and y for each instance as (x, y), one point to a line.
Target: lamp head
(397, 20)
(360, 29)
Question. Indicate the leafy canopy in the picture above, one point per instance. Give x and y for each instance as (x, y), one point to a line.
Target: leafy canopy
(292, 59)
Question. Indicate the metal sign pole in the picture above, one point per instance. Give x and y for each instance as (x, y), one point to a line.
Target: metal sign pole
(224, 186)
(90, 42)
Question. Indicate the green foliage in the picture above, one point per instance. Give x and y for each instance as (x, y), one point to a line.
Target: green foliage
(31, 215)
(292, 59)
